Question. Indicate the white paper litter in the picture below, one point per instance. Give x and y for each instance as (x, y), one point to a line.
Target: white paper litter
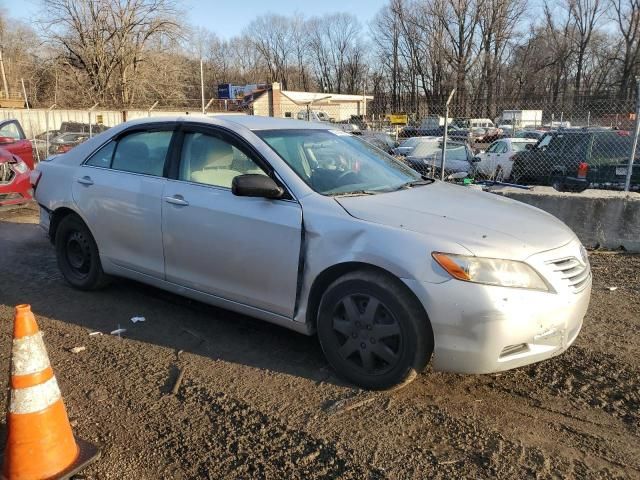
(78, 349)
(91, 334)
(118, 331)
(613, 289)
(137, 319)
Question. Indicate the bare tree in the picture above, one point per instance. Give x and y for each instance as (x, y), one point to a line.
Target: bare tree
(103, 42)
(626, 14)
(585, 15)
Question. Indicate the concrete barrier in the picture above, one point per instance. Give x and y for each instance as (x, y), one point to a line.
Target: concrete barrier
(601, 218)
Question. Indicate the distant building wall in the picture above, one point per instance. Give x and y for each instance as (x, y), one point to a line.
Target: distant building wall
(35, 121)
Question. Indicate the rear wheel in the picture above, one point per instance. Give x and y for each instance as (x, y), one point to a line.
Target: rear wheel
(77, 255)
(372, 330)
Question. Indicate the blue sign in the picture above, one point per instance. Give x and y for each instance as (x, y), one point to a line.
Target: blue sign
(224, 91)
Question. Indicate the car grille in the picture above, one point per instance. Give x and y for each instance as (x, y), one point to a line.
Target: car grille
(572, 271)
(6, 173)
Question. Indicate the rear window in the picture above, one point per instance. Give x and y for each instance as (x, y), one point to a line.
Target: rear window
(612, 146)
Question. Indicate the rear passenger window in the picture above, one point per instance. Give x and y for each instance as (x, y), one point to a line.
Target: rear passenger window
(142, 152)
(612, 146)
(102, 158)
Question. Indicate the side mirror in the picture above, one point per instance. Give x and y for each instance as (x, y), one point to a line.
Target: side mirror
(529, 146)
(476, 159)
(256, 185)
(7, 140)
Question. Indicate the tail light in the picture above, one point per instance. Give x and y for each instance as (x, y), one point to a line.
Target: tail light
(511, 157)
(34, 178)
(583, 168)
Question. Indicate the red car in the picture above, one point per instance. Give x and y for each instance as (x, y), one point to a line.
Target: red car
(13, 140)
(16, 162)
(15, 186)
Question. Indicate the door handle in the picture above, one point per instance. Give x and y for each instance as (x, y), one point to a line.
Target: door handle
(85, 180)
(176, 200)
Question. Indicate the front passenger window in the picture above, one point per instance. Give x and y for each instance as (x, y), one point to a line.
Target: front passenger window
(211, 160)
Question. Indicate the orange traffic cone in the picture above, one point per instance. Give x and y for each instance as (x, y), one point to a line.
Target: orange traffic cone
(40, 443)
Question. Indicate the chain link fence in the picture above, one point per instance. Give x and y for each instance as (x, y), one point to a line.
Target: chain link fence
(586, 144)
(569, 147)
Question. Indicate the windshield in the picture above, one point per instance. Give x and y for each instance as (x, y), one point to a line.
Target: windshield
(520, 146)
(335, 163)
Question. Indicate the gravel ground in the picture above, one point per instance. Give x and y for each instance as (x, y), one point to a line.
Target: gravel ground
(258, 401)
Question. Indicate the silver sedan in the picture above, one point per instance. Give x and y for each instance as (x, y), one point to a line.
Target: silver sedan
(316, 230)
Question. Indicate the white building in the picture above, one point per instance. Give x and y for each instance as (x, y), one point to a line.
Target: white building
(287, 104)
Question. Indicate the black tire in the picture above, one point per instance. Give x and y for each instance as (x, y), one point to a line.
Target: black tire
(377, 347)
(77, 255)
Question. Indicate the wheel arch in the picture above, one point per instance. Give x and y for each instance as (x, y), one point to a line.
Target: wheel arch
(57, 216)
(332, 273)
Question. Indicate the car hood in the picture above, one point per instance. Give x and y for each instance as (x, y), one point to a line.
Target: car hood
(484, 223)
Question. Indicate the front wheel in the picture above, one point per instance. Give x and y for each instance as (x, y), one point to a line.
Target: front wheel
(77, 255)
(372, 330)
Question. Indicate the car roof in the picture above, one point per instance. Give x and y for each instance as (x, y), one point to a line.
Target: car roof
(251, 122)
(256, 122)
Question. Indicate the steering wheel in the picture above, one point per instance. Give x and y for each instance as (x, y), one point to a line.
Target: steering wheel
(341, 178)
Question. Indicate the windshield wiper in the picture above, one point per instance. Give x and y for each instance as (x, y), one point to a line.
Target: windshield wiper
(354, 193)
(416, 183)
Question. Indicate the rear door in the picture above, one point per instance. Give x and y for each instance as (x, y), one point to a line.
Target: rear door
(489, 159)
(118, 191)
(242, 249)
(19, 144)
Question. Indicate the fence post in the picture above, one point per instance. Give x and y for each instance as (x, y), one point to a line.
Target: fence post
(90, 125)
(446, 131)
(33, 134)
(151, 108)
(627, 183)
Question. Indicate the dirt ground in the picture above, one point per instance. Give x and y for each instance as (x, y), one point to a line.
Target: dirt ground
(258, 401)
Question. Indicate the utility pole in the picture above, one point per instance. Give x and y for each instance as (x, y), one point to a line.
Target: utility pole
(4, 76)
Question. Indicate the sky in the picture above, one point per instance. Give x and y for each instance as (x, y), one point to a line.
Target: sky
(227, 18)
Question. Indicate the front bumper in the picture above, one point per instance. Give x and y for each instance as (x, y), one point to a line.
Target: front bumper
(17, 191)
(485, 329)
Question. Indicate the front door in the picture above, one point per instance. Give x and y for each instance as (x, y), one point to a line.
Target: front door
(241, 249)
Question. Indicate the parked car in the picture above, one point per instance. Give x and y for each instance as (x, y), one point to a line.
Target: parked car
(530, 134)
(558, 155)
(497, 160)
(14, 141)
(426, 158)
(79, 127)
(66, 141)
(452, 131)
(387, 267)
(15, 187)
(347, 126)
(42, 141)
(381, 140)
(314, 116)
(407, 145)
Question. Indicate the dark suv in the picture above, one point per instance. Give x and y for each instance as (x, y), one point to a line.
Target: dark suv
(555, 159)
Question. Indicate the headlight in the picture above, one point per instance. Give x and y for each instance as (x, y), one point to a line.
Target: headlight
(20, 167)
(491, 271)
